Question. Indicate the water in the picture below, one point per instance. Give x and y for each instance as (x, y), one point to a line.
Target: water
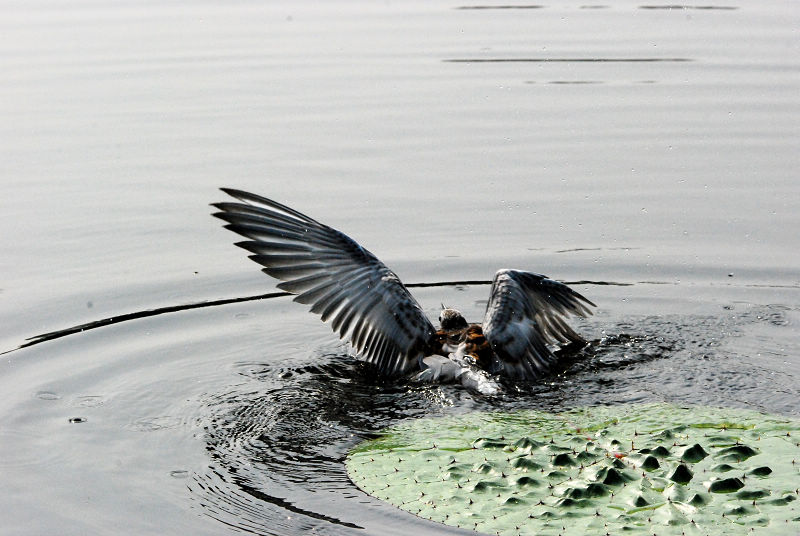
(656, 149)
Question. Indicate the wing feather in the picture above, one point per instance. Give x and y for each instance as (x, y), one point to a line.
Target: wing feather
(366, 302)
(525, 313)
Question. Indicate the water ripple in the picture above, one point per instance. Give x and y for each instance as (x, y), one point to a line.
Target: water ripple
(277, 440)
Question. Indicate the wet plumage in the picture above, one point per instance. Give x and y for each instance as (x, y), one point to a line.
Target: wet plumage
(368, 305)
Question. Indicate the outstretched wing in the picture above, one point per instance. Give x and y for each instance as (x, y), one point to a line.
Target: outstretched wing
(526, 312)
(344, 283)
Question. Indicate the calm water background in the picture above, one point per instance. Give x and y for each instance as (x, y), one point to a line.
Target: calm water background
(616, 143)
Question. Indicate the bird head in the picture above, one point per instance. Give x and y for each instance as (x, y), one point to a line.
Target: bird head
(450, 319)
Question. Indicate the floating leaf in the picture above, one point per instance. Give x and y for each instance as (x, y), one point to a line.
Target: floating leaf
(635, 469)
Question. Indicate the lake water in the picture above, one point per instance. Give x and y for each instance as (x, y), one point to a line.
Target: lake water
(646, 152)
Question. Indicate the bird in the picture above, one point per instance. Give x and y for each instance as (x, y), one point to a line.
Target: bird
(368, 306)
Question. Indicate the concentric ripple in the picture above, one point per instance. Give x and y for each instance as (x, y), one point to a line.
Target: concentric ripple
(278, 440)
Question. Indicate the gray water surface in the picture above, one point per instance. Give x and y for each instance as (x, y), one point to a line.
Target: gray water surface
(646, 153)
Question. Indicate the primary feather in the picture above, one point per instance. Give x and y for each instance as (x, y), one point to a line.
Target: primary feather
(344, 283)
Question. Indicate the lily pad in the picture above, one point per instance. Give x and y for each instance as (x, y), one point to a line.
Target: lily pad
(635, 469)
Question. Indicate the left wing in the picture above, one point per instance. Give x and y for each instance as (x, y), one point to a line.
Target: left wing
(365, 301)
(525, 313)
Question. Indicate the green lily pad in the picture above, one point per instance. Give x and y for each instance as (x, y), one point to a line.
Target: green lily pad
(636, 469)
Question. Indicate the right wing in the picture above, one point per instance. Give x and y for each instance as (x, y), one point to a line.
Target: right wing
(343, 282)
(525, 313)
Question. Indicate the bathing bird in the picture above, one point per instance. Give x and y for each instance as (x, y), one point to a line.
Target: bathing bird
(368, 305)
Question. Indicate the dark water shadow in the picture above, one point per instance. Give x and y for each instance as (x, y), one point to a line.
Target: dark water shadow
(127, 317)
(683, 7)
(599, 6)
(575, 250)
(575, 82)
(508, 6)
(568, 60)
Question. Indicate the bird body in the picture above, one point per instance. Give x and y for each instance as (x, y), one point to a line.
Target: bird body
(459, 355)
(368, 305)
